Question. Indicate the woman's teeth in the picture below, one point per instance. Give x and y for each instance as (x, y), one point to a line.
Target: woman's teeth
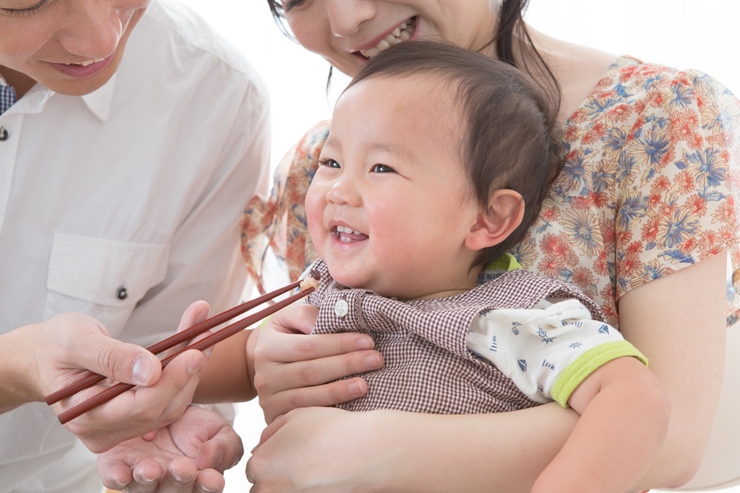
(399, 35)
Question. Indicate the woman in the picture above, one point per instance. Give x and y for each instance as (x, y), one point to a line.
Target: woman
(633, 217)
(110, 225)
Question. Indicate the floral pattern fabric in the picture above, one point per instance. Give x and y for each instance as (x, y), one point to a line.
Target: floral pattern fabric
(649, 186)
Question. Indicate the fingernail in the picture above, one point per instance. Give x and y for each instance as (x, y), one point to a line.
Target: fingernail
(365, 343)
(207, 352)
(372, 361)
(194, 364)
(144, 479)
(117, 485)
(220, 458)
(141, 372)
(180, 477)
(207, 490)
(357, 389)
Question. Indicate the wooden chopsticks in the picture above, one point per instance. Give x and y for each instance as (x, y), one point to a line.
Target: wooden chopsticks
(119, 388)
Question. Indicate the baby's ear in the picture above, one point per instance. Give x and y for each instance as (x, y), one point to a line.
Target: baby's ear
(493, 225)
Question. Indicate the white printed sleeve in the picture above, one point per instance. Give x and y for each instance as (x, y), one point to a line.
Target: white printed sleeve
(547, 350)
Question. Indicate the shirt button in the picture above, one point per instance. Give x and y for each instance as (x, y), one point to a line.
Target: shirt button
(3, 134)
(341, 308)
(122, 293)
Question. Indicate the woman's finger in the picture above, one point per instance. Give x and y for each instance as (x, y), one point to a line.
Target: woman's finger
(321, 396)
(288, 348)
(299, 317)
(275, 377)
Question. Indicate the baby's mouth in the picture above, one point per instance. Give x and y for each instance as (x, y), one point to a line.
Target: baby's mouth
(402, 33)
(348, 235)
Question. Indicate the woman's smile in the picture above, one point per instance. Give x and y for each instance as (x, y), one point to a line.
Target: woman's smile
(404, 32)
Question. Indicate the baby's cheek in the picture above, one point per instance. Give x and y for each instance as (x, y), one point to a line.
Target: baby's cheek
(314, 216)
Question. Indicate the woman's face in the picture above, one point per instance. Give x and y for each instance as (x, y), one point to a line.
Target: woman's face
(347, 32)
(70, 46)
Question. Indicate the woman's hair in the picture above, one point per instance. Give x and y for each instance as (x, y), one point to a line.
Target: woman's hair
(506, 141)
(511, 36)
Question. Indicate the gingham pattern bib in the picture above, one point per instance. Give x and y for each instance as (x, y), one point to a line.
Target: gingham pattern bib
(428, 367)
(7, 97)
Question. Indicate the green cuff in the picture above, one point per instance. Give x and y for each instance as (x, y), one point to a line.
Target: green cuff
(506, 262)
(587, 363)
(264, 322)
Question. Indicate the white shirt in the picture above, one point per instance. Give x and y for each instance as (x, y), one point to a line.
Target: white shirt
(139, 185)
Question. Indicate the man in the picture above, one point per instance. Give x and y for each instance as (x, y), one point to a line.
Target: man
(130, 138)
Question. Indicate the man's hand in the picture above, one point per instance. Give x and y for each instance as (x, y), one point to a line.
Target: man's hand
(190, 455)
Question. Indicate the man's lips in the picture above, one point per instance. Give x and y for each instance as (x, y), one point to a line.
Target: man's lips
(83, 69)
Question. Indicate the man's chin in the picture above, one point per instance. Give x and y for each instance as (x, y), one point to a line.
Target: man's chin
(80, 88)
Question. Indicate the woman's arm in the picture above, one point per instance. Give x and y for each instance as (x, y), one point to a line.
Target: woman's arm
(679, 323)
(676, 321)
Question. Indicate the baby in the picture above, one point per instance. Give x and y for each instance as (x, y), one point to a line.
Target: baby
(437, 162)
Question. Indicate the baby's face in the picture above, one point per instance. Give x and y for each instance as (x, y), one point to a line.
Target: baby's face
(390, 205)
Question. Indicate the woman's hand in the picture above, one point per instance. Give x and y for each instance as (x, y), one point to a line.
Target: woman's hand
(291, 368)
(321, 449)
(190, 455)
(331, 450)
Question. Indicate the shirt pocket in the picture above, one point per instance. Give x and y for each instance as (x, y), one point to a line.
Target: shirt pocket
(102, 278)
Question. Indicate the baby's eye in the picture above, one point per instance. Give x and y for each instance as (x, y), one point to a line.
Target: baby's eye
(382, 168)
(329, 163)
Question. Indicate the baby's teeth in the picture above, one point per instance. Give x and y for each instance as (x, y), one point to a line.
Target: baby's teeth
(397, 32)
(383, 45)
(405, 36)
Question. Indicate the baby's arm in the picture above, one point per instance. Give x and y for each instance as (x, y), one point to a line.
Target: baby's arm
(624, 421)
(556, 351)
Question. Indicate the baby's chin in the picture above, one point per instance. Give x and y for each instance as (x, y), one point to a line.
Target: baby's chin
(387, 289)
(355, 281)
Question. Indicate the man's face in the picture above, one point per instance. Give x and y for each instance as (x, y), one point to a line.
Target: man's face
(72, 47)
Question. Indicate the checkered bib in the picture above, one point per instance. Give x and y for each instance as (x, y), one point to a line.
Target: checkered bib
(428, 367)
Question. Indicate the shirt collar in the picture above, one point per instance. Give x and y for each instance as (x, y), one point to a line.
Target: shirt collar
(99, 101)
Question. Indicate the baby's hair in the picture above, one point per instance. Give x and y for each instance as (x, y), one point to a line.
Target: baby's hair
(506, 143)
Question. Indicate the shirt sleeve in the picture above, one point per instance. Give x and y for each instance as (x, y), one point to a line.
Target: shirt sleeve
(677, 198)
(274, 229)
(547, 350)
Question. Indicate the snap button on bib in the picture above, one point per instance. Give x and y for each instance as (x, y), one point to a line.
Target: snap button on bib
(341, 308)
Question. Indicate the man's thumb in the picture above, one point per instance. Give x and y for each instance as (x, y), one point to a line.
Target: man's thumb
(123, 362)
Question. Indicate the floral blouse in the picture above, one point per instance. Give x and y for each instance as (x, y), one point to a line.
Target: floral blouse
(649, 186)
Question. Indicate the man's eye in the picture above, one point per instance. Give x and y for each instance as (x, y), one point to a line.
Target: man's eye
(330, 163)
(29, 10)
(382, 168)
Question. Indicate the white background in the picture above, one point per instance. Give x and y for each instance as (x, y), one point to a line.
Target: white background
(702, 34)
